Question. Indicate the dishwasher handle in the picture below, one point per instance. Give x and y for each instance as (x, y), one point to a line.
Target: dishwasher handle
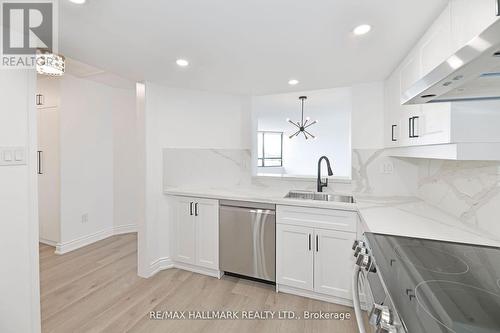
(262, 211)
(249, 210)
(247, 204)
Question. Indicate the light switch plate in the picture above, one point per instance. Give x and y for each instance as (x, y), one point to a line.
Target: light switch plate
(12, 156)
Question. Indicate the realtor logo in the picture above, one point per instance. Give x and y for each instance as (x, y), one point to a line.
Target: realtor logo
(26, 27)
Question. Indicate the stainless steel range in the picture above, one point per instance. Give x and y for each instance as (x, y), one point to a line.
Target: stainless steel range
(419, 285)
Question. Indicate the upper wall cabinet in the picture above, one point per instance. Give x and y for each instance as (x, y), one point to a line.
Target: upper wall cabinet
(470, 18)
(441, 123)
(436, 45)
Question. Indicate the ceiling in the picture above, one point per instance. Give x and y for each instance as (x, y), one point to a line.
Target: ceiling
(245, 46)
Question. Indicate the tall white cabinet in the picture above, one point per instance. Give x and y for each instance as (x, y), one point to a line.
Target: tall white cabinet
(313, 252)
(47, 104)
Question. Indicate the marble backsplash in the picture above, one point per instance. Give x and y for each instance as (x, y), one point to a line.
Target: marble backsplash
(232, 167)
(467, 190)
(206, 167)
(370, 174)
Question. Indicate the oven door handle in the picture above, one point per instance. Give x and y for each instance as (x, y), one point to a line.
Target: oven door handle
(356, 300)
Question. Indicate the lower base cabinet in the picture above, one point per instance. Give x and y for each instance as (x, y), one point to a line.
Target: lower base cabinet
(196, 230)
(315, 259)
(334, 263)
(294, 256)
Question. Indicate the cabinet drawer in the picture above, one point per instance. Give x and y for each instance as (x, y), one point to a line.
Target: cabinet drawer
(340, 220)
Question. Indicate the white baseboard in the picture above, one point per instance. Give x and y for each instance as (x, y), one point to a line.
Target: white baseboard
(167, 263)
(311, 294)
(159, 265)
(62, 248)
(200, 270)
(47, 242)
(125, 229)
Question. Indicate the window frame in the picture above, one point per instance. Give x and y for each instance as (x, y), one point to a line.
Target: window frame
(264, 158)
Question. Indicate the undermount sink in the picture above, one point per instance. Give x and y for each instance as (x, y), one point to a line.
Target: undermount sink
(306, 195)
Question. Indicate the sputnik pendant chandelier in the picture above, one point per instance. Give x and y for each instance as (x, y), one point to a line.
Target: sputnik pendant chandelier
(302, 126)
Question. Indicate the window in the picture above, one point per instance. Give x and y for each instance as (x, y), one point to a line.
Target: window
(270, 149)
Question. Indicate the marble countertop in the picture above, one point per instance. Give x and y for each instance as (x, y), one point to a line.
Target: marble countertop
(399, 216)
(412, 217)
(256, 194)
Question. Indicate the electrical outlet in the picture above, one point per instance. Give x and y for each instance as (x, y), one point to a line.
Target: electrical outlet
(387, 168)
(85, 218)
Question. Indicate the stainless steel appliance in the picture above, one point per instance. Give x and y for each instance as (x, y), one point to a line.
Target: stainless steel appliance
(431, 286)
(247, 239)
(472, 73)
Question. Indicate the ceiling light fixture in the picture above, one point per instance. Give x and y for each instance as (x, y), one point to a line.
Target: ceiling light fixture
(293, 82)
(48, 63)
(182, 62)
(362, 29)
(303, 125)
(78, 2)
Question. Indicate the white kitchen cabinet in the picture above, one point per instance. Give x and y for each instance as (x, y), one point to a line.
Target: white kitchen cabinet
(470, 18)
(185, 231)
(436, 44)
(49, 196)
(392, 106)
(207, 233)
(314, 252)
(196, 229)
(294, 256)
(410, 71)
(448, 124)
(332, 257)
(48, 91)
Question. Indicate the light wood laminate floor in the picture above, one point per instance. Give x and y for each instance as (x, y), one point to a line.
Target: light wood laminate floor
(96, 289)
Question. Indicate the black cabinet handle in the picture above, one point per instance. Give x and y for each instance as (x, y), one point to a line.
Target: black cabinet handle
(317, 243)
(39, 164)
(413, 127)
(393, 131)
(191, 208)
(498, 7)
(196, 209)
(39, 99)
(309, 242)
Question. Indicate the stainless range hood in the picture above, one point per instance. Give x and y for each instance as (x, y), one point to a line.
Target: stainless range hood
(472, 73)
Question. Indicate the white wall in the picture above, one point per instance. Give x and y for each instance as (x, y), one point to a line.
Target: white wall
(125, 150)
(98, 168)
(368, 116)
(178, 118)
(331, 108)
(19, 277)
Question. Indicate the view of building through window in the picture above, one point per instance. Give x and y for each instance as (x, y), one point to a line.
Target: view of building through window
(270, 149)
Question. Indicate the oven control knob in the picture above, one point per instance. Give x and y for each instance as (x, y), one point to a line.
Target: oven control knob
(360, 250)
(382, 318)
(363, 261)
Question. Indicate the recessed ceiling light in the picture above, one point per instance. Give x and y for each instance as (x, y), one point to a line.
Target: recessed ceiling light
(293, 82)
(182, 62)
(78, 2)
(362, 29)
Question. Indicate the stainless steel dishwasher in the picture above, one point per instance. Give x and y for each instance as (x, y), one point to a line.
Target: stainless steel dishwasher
(247, 239)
